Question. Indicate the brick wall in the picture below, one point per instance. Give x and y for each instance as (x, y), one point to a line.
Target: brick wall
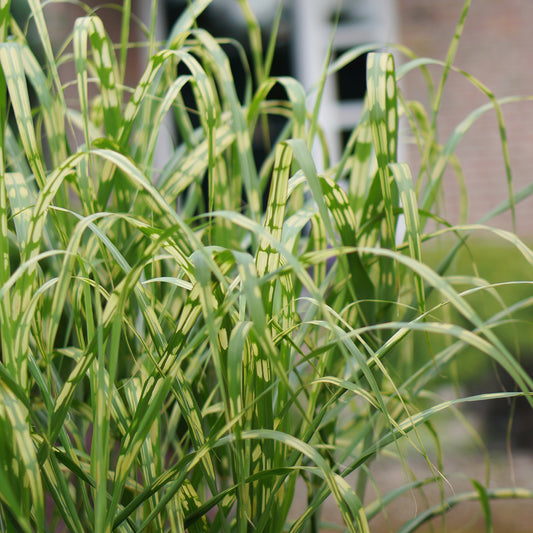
(497, 48)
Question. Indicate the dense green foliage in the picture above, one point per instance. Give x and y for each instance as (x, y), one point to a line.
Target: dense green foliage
(176, 356)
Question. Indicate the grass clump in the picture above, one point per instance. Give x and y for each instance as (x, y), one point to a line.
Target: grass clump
(178, 354)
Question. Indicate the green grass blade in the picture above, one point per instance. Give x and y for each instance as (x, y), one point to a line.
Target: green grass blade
(267, 259)
(42, 30)
(484, 500)
(404, 180)
(186, 21)
(107, 71)
(25, 452)
(13, 70)
(304, 159)
(357, 274)
(52, 106)
(383, 116)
